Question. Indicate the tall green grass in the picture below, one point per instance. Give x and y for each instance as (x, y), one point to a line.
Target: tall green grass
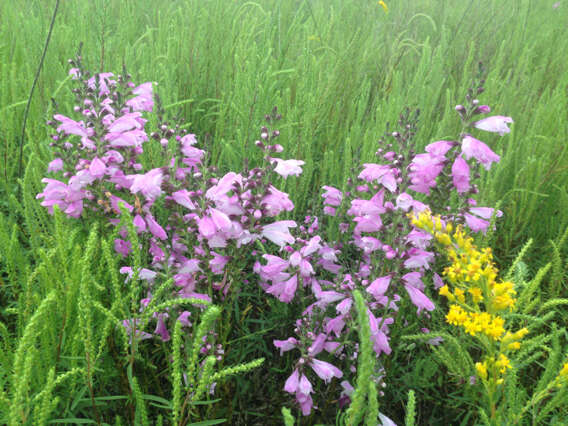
(338, 71)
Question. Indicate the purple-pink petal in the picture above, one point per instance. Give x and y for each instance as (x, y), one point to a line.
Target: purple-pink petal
(495, 124)
(325, 370)
(460, 175)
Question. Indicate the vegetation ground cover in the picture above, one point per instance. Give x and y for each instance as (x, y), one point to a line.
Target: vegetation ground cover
(338, 72)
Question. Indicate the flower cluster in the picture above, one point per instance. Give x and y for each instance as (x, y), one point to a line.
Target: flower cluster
(208, 230)
(477, 297)
(99, 169)
(382, 253)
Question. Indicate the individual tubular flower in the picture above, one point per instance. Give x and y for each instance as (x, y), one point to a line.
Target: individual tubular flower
(495, 124)
(473, 148)
(286, 168)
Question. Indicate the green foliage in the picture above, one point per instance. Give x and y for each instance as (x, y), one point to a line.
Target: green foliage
(410, 409)
(337, 71)
(364, 404)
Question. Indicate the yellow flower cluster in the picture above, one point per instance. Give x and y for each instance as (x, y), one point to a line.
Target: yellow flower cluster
(496, 365)
(476, 322)
(476, 296)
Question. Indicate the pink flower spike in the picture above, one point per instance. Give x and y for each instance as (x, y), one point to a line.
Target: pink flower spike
(325, 370)
(495, 124)
(472, 147)
(286, 168)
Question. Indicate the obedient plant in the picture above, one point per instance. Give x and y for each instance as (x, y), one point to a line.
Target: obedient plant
(206, 231)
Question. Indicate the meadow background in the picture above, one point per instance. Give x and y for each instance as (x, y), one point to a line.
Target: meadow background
(338, 71)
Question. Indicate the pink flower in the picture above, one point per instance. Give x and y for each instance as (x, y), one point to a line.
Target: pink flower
(439, 149)
(418, 298)
(161, 328)
(404, 201)
(292, 382)
(332, 196)
(143, 101)
(278, 232)
(97, 168)
(71, 127)
(122, 247)
(284, 290)
(379, 286)
(329, 211)
(148, 184)
(217, 264)
(438, 283)
(472, 147)
(192, 155)
(182, 198)
(495, 124)
(286, 168)
(476, 224)
(55, 165)
(424, 171)
(276, 202)
(383, 174)
(378, 336)
(155, 228)
(485, 212)
(127, 122)
(285, 345)
(418, 258)
(134, 138)
(325, 370)
(460, 175)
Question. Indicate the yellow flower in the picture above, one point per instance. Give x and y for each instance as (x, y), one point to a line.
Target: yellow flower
(476, 294)
(456, 315)
(503, 363)
(384, 6)
(481, 369)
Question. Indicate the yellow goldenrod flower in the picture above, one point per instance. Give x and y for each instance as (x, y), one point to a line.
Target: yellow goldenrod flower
(384, 6)
(481, 369)
(503, 363)
(564, 372)
(476, 294)
(445, 291)
(459, 293)
(456, 315)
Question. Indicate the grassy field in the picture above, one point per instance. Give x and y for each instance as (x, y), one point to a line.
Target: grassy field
(337, 70)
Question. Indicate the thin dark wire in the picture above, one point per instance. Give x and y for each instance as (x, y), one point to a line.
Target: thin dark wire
(26, 112)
